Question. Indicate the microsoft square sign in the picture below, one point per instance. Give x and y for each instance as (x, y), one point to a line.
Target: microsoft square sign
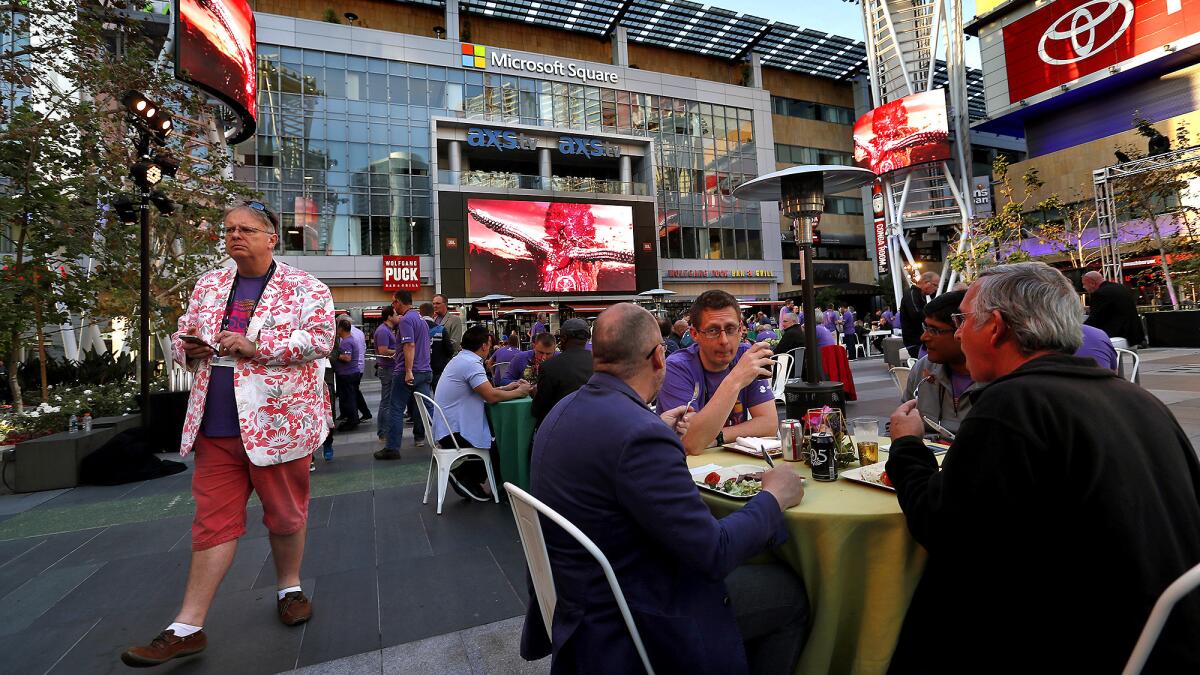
(474, 56)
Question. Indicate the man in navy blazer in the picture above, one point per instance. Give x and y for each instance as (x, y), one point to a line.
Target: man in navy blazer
(612, 467)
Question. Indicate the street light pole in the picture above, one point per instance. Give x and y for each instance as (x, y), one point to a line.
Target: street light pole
(144, 313)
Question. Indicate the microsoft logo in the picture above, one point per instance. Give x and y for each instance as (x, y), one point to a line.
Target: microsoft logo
(474, 56)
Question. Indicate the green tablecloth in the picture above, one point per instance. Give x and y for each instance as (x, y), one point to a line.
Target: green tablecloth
(851, 545)
(512, 425)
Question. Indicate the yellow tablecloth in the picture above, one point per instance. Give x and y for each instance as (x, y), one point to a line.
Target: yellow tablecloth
(851, 545)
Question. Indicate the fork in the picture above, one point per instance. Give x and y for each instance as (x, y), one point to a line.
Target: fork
(695, 395)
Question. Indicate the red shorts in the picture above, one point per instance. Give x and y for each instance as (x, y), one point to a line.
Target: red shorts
(221, 485)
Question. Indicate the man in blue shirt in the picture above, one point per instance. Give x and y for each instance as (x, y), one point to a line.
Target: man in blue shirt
(348, 368)
(411, 373)
(730, 380)
(461, 393)
(543, 348)
(611, 466)
(385, 349)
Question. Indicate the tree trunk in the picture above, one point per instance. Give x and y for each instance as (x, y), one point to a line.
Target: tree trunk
(1162, 259)
(41, 338)
(14, 360)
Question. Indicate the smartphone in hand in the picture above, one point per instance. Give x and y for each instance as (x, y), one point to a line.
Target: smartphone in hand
(195, 340)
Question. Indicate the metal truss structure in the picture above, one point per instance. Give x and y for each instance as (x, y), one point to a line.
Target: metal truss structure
(1106, 201)
(909, 43)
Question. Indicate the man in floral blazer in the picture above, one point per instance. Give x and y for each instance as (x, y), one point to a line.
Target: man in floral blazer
(256, 337)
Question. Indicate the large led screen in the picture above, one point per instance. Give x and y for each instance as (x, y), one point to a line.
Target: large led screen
(908, 131)
(215, 51)
(539, 248)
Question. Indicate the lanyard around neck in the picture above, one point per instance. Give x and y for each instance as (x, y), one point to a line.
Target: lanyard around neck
(233, 292)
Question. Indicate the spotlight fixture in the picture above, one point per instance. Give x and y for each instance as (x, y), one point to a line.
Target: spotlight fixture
(439, 32)
(351, 17)
(126, 210)
(162, 202)
(146, 174)
(167, 164)
(148, 115)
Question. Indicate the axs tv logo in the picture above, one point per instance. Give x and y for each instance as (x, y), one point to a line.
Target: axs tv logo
(500, 139)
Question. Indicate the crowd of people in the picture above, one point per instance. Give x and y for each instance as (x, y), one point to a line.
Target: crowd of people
(1068, 500)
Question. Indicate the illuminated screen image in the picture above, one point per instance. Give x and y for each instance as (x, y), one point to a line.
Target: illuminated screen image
(216, 53)
(535, 248)
(908, 131)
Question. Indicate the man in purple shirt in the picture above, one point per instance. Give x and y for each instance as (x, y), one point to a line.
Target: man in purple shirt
(731, 381)
(1097, 346)
(543, 348)
(385, 349)
(539, 326)
(411, 374)
(348, 368)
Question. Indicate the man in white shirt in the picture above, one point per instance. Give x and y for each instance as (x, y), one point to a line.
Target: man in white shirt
(462, 391)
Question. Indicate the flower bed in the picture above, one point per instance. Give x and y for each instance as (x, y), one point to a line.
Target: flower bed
(107, 400)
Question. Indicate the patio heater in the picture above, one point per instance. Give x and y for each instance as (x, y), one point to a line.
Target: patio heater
(800, 191)
(656, 295)
(493, 302)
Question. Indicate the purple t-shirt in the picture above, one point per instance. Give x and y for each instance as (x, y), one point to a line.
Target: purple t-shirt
(355, 345)
(414, 331)
(506, 354)
(220, 408)
(1096, 345)
(825, 337)
(848, 323)
(830, 319)
(684, 370)
(384, 337)
(538, 327)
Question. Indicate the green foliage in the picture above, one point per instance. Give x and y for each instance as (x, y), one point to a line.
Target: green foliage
(331, 16)
(107, 400)
(93, 369)
(997, 240)
(827, 297)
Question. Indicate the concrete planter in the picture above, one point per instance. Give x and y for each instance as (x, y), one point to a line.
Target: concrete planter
(120, 423)
(52, 462)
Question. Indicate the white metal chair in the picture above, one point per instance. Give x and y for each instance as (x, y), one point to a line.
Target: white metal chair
(860, 350)
(797, 355)
(525, 511)
(444, 458)
(1158, 617)
(499, 370)
(1124, 355)
(900, 378)
(782, 371)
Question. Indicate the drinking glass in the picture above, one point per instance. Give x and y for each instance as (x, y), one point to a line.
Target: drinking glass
(866, 434)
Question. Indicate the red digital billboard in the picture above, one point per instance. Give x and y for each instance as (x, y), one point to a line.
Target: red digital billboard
(538, 248)
(908, 131)
(214, 50)
(1068, 39)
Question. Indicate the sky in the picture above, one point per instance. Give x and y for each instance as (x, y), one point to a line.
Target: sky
(830, 16)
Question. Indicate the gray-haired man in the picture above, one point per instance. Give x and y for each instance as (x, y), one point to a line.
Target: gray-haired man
(1065, 506)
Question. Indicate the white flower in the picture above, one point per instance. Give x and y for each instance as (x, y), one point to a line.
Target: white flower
(87, 392)
(128, 394)
(57, 398)
(33, 413)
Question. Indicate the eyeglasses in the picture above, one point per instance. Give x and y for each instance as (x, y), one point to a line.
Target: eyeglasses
(961, 318)
(714, 333)
(244, 231)
(935, 332)
(655, 348)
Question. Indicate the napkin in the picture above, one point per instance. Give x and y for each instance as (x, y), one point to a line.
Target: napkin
(758, 444)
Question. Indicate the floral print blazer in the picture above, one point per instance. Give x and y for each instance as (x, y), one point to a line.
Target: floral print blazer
(282, 407)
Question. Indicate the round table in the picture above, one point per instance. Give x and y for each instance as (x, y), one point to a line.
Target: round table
(851, 545)
(512, 425)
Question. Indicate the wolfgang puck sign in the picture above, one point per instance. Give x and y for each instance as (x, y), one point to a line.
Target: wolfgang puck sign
(401, 273)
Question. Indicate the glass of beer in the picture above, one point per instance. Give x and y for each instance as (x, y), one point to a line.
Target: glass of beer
(865, 432)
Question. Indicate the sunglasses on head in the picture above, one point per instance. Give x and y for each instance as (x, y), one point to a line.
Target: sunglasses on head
(264, 209)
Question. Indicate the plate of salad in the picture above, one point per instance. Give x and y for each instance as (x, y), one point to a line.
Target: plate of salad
(741, 481)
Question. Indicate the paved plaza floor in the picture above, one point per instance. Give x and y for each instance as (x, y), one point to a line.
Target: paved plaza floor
(86, 572)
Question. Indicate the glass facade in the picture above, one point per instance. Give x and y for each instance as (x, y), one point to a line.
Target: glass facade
(798, 154)
(822, 112)
(343, 149)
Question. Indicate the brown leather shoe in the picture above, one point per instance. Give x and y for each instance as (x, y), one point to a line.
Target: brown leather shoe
(164, 648)
(294, 608)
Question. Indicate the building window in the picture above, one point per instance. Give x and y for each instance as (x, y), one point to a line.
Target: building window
(797, 154)
(809, 110)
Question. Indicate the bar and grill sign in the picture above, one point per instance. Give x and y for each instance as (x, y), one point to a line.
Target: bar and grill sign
(401, 273)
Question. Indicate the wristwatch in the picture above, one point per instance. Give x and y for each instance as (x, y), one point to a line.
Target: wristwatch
(721, 437)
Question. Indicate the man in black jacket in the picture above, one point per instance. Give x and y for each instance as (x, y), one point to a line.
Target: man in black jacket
(1066, 505)
(566, 372)
(912, 310)
(1113, 309)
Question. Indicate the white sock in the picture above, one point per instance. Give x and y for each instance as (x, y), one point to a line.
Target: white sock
(287, 590)
(183, 629)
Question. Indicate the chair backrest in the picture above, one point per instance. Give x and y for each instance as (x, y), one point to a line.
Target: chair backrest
(1158, 617)
(498, 370)
(900, 377)
(424, 404)
(1130, 357)
(782, 371)
(525, 510)
(797, 355)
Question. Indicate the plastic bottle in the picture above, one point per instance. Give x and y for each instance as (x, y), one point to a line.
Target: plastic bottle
(87, 422)
(73, 424)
